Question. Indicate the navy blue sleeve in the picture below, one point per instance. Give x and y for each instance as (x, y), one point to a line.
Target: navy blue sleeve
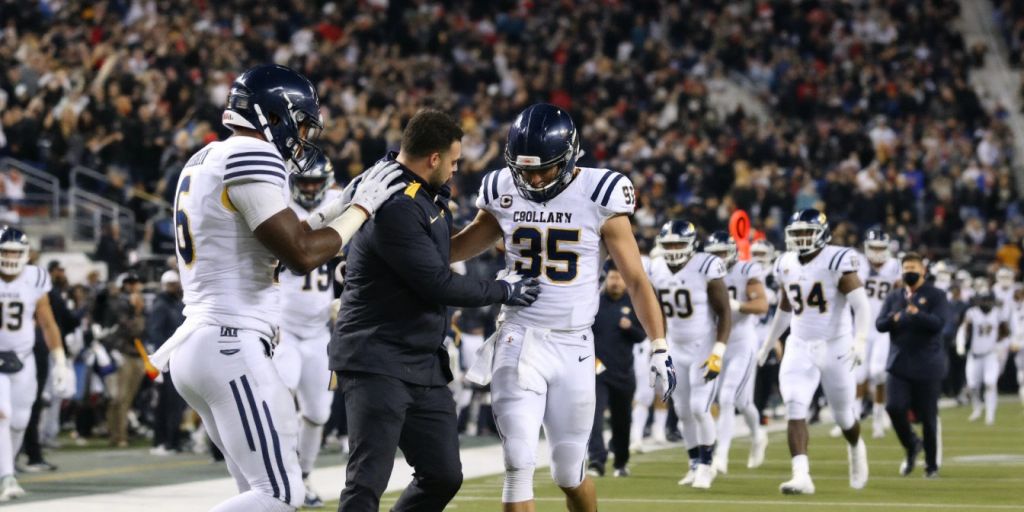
(401, 238)
(884, 322)
(933, 318)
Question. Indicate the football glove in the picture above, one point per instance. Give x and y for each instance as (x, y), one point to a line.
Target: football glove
(662, 368)
(855, 356)
(63, 378)
(375, 186)
(518, 291)
(713, 365)
(734, 306)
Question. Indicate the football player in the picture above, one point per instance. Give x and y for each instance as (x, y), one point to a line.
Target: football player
(943, 273)
(767, 376)
(24, 305)
(232, 225)
(817, 281)
(695, 302)
(1017, 336)
(747, 302)
(880, 276)
(304, 325)
(552, 217)
(984, 330)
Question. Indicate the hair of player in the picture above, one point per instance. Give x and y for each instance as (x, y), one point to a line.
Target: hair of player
(430, 131)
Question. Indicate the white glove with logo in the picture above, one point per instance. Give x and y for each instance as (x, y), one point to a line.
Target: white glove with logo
(375, 186)
(662, 368)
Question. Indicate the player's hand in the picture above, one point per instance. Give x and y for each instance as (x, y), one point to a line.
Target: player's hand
(734, 305)
(713, 365)
(662, 368)
(625, 324)
(912, 309)
(518, 291)
(375, 186)
(855, 356)
(63, 378)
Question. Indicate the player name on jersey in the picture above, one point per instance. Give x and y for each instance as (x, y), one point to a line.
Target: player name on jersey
(542, 216)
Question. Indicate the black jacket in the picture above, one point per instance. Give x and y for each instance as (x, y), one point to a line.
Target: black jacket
(917, 350)
(164, 318)
(613, 344)
(398, 284)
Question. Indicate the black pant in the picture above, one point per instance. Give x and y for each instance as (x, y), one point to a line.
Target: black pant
(620, 402)
(921, 396)
(169, 410)
(385, 414)
(33, 450)
(765, 385)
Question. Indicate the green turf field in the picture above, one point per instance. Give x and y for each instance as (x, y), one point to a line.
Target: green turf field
(983, 469)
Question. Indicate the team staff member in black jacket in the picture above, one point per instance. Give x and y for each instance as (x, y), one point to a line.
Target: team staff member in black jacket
(914, 316)
(388, 344)
(616, 330)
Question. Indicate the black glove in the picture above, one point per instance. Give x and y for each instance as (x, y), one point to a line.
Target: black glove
(519, 291)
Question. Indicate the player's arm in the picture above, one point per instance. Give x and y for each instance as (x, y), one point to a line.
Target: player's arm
(961, 337)
(476, 238)
(718, 297)
(62, 376)
(850, 285)
(780, 323)
(757, 303)
(305, 245)
(618, 239)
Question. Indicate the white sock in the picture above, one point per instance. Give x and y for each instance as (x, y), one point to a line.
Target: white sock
(801, 465)
(726, 426)
(17, 437)
(636, 428)
(660, 419)
(753, 418)
(7, 461)
(991, 398)
(878, 414)
(858, 407)
(310, 436)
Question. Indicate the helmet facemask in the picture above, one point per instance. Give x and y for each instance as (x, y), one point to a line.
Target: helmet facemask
(805, 237)
(13, 258)
(678, 250)
(524, 165)
(876, 251)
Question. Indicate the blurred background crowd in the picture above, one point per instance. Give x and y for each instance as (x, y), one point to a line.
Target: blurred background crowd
(866, 112)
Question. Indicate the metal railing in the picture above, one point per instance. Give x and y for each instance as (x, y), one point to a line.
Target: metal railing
(42, 189)
(89, 212)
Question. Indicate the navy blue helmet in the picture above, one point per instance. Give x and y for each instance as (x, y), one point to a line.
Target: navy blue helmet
(279, 103)
(541, 137)
(678, 241)
(14, 250)
(807, 231)
(310, 187)
(876, 246)
(722, 245)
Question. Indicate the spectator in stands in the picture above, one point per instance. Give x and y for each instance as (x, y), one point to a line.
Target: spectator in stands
(127, 309)
(164, 318)
(112, 250)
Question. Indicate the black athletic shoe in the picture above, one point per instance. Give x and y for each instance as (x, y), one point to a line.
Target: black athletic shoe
(40, 467)
(595, 469)
(931, 473)
(907, 466)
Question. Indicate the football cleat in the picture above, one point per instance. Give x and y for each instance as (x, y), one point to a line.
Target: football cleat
(720, 462)
(622, 472)
(703, 477)
(9, 489)
(799, 484)
(312, 498)
(690, 475)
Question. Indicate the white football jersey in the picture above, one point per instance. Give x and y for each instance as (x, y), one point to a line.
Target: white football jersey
(306, 299)
(226, 273)
(558, 242)
(984, 329)
(878, 283)
(820, 310)
(18, 300)
(1016, 322)
(1004, 301)
(683, 296)
(736, 280)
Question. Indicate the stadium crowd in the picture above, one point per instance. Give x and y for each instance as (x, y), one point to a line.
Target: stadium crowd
(872, 118)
